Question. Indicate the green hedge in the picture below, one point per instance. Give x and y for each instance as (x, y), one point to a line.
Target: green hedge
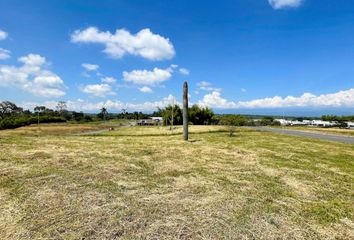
(15, 122)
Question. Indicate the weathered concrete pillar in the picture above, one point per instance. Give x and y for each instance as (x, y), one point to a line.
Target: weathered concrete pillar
(185, 111)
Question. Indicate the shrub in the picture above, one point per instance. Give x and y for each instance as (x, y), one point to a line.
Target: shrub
(15, 122)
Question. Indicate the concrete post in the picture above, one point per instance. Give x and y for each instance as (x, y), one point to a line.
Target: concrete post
(185, 111)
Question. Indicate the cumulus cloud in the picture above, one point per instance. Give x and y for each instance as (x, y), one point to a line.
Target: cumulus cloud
(339, 99)
(109, 80)
(184, 71)
(145, 89)
(81, 105)
(206, 86)
(98, 90)
(279, 4)
(215, 100)
(90, 67)
(144, 43)
(32, 77)
(3, 35)
(4, 54)
(145, 77)
(33, 60)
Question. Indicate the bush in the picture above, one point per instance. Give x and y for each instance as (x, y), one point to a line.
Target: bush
(15, 122)
(232, 121)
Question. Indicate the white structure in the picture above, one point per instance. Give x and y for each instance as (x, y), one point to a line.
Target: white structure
(320, 123)
(285, 122)
(150, 121)
(157, 119)
(315, 123)
(350, 124)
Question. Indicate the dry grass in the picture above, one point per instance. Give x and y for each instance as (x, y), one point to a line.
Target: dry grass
(146, 183)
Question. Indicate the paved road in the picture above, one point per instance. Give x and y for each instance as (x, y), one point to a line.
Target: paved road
(336, 138)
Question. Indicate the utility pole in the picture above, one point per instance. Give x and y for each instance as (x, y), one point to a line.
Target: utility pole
(173, 105)
(185, 111)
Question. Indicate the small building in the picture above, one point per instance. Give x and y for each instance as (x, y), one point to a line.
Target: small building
(350, 124)
(283, 122)
(158, 119)
(320, 123)
(297, 123)
(307, 122)
(151, 121)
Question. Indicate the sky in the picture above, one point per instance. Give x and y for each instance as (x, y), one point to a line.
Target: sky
(255, 56)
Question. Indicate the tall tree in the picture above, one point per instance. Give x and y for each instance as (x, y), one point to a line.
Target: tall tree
(39, 110)
(62, 107)
(8, 109)
(103, 113)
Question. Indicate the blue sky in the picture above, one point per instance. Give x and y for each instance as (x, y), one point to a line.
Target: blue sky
(254, 56)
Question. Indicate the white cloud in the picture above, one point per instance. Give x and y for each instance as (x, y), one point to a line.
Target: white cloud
(279, 4)
(34, 60)
(145, 89)
(243, 90)
(172, 68)
(206, 86)
(184, 71)
(215, 100)
(109, 80)
(4, 54)
(98, 90)
(32, 77)
(144, 43)
(145, 77)
(3, 35)
(339, 99)
(80, 105)
(90, 67)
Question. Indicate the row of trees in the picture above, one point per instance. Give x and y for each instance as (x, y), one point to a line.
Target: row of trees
(105, 115)
(334, 118)
(172, 115)
(12, 116)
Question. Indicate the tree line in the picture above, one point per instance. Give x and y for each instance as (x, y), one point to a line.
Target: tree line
(335, 118)
(12, 116)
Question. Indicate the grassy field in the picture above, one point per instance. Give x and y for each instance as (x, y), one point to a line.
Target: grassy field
(335, 131)
(146, 183)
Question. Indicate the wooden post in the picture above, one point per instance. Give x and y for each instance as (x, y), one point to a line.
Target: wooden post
(185, 111)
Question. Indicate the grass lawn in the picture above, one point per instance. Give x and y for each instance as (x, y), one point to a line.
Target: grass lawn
(147, 183)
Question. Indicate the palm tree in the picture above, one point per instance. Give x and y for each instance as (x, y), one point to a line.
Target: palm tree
(38, 110)
(104, 112)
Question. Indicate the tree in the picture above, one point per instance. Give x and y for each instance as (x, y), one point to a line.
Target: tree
(330, 118)
(232, 121)
(61, 107)
(102, 115)
(8, 109)
(62, 110)
(166, 114)
(38, 110)
(200, 115)
(267, 121)
(78, 116)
